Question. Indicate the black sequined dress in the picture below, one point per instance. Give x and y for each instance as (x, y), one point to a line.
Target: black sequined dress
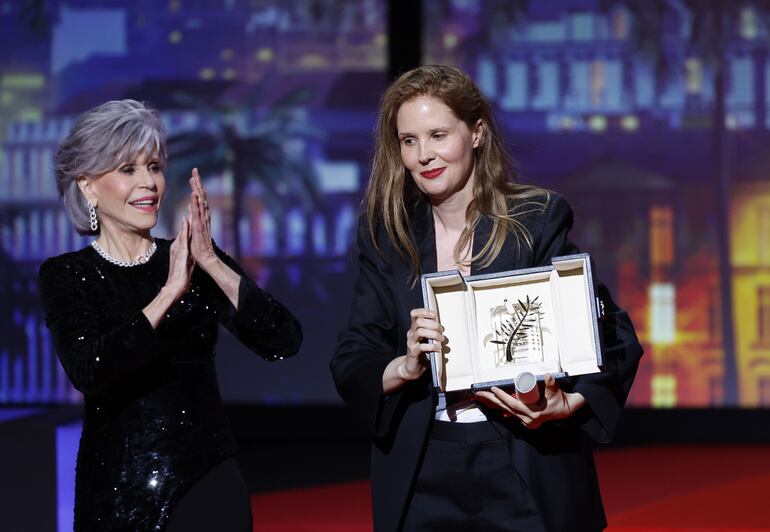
(153, 421)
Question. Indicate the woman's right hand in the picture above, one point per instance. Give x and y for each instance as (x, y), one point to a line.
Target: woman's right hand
(424, 327)
(409, 367)
(180, 264)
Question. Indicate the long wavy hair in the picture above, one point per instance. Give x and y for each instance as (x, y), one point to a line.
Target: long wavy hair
(391, 190)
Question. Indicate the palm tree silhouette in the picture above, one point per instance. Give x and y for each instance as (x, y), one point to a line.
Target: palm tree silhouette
(248, 142)
(709, 32)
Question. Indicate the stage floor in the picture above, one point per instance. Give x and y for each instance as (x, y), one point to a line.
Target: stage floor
(307, 470)
(652, 488)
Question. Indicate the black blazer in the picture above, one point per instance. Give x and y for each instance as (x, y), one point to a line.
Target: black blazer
(556, 460)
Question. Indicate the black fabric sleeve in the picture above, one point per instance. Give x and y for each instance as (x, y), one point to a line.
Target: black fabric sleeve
(605, 392)
(368, 342)
(93, 356)
(260, 322)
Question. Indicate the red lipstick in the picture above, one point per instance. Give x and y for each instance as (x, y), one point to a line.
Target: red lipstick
(431, 174)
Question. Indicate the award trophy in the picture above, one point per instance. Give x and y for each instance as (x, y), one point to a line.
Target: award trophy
(512, 328)
(517, 334)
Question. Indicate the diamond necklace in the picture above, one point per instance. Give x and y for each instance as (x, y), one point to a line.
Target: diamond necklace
(141, 259)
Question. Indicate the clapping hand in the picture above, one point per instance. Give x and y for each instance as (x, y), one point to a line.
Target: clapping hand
(180, 262)
(201, 245)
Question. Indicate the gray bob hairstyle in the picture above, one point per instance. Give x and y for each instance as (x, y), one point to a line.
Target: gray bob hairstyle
(101, 139)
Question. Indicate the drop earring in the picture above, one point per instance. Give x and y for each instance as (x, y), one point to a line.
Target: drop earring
(92, 216)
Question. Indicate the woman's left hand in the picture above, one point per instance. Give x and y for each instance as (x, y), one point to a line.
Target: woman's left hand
(201, 245)
(555, 404)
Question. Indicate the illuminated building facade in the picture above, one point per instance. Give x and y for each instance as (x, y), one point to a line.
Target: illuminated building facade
(229, 70)
(630, 145)
(750, 226)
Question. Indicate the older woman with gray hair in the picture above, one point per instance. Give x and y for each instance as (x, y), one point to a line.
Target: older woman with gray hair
(134, 322)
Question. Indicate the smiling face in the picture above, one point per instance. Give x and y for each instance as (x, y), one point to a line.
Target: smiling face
(127, 198)
(437, 148)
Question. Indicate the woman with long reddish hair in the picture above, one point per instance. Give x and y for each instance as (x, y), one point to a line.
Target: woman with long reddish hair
(444, 195)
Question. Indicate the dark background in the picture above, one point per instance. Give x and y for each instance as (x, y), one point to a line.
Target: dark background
(650, 117)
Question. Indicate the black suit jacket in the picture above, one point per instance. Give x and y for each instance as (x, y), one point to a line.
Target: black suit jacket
(555, 461)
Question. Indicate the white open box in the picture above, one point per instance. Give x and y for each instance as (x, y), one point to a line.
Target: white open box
(479, 313)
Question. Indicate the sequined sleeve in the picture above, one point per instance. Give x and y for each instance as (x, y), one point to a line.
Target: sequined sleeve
(93, 357)
(260, 322)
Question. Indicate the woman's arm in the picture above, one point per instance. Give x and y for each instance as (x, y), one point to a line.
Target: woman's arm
(260, 322)
(202, 245)
(594, 400)
(605, 393)
(365, 365)
(412, 365)
(179, 271)
(93, 356)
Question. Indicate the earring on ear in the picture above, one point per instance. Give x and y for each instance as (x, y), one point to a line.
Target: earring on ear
(92, 216)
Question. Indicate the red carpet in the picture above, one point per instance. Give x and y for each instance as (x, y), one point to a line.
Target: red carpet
(686, 487)
(341, 507)
(657, 488)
